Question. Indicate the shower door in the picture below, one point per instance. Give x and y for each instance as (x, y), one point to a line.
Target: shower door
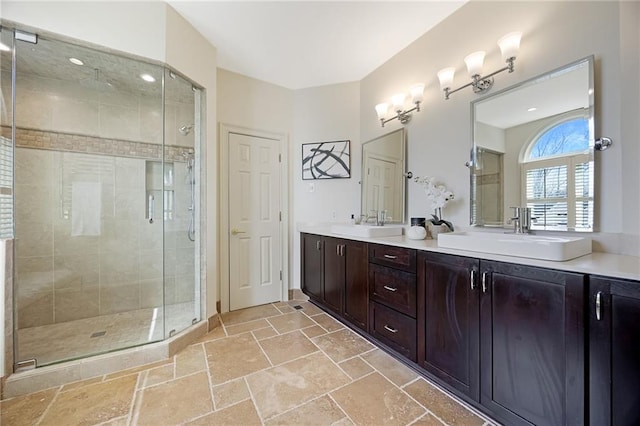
(181, 225)
(90, 206)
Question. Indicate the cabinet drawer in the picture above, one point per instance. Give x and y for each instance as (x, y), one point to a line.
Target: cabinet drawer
(396, 289)
(394, 329)
(395, 257)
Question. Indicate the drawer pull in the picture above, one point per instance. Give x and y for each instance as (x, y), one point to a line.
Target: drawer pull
(598, 305)
(386, 287)
(392, 330)
(389, 256)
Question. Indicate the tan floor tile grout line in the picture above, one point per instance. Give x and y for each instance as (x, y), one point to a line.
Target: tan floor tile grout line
(340, 407)
(135, 394)
(53, 400)
(263, 352)
(137, 404)
(211, 386)
(253, 400)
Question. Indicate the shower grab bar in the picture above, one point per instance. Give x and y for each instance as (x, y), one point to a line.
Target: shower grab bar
(151, 207)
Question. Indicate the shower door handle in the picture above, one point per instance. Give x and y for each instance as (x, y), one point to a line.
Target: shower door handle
(151, 207)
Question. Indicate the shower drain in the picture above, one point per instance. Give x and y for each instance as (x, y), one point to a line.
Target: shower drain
(98, 334)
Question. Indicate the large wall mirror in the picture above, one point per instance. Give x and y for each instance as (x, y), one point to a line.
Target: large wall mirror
(533, 146)
(383, 182)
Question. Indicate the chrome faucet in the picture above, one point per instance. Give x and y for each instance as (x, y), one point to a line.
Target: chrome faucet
(377, 217)
(521, 220)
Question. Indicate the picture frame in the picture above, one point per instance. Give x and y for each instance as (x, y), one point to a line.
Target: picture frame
(326, 160)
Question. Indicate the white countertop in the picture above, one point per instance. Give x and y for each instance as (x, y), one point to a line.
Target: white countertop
(603, 264)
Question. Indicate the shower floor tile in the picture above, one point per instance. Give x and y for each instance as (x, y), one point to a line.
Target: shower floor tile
(249, 378)
(80, 338)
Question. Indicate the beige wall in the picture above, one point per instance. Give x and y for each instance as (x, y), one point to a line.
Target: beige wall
(254, 104)
(137, 28)
(326, 113)
(439, 137)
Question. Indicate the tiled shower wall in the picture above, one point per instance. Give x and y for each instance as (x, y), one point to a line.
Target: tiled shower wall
(60, 277)
(83, 108)
(67, 134)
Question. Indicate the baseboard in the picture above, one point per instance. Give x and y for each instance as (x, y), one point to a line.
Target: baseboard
(213, 322)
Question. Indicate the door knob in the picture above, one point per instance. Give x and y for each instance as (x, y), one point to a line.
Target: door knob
(235, 231)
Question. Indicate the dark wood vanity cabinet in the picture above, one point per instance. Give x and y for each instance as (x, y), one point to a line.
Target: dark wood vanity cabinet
(448, 326)
(614, 351)
(334, 275)
(532, 344)
(393, 293)
(311, 251)
(508, 336)
(526, 345)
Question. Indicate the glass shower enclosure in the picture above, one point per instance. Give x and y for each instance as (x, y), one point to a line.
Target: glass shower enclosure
(106, 196)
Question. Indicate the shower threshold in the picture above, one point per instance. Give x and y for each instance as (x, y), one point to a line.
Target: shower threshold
(98, 365)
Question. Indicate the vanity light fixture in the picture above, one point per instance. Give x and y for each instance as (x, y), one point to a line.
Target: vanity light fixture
(509, 45)
(417, 96)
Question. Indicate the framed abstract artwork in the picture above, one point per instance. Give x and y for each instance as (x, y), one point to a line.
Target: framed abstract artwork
(326, 160)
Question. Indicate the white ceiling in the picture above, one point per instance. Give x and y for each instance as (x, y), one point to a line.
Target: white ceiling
(551, 94)
(299, 44)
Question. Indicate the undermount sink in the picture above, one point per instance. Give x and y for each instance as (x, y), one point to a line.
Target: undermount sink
(367, 231)
(520, 245)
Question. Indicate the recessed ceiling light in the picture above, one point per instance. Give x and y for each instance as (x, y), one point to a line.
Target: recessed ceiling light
(532, 109)
(76, 61)
(4, 47)
(147, 77)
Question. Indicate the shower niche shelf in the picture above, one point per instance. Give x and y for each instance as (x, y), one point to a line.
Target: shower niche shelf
(158, 181)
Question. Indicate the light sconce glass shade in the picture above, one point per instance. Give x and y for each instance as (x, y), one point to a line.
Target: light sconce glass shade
(417, 93)
(474, 63)
(509, 45)
(381, 110)
(446, 77)
(398, 102)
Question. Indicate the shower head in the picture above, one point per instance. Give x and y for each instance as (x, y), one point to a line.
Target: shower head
(97, 82)
(186, 129)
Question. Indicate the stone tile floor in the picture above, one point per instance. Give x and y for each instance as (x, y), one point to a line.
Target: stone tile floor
(267, 365)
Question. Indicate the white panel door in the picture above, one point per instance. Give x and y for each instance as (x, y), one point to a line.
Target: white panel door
(381, 175)
(255, 256)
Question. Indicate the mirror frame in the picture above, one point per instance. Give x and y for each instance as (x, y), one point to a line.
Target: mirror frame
(590, 62)
(403, 173)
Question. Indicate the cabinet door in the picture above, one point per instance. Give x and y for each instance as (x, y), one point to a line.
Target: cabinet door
(450, 328)
(614, 348)
(356, 298)
(311, 268)
(334, 273)
(532, 344)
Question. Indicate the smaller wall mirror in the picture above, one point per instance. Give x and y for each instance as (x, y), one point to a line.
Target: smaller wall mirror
(533, 147)
(383, 181)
